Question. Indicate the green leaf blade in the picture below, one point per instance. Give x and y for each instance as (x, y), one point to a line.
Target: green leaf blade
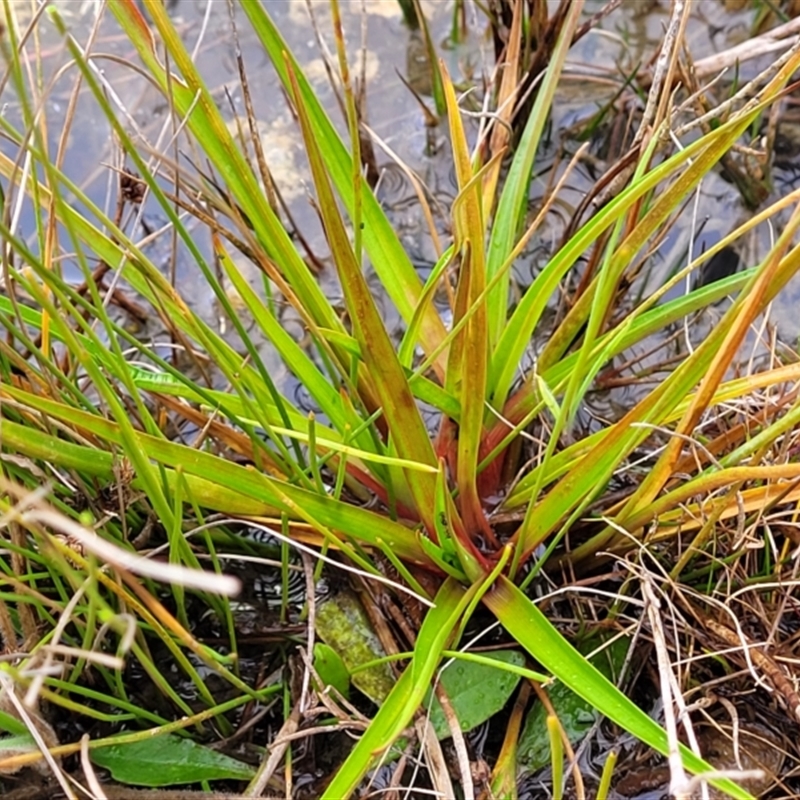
(168, 761)
(405, 698)
(528, 625)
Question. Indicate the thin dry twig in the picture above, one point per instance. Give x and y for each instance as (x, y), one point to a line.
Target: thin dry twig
(679, 783)
(88, 770)
(459, 743)
(38, 729)
(276, 751)
(783, 686)
(747, 96)
(311, 620)
(420, 189)
(770, 42)
(437, 765)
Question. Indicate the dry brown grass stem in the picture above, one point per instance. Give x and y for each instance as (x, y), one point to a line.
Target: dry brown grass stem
(784, 687)
(275, 753)
(42, 733)
(779, 38)
(420, 189)
(459, 742)
(746, 97)
(93, 784)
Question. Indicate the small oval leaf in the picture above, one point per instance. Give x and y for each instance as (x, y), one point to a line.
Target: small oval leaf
(331, 669)
(575, 714)
(476, 691)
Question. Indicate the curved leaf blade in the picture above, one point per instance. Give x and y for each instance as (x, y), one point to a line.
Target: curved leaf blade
(529, 626)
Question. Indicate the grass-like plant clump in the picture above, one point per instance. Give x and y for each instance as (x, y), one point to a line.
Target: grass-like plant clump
(448, 470)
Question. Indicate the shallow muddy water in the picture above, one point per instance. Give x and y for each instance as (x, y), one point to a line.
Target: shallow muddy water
(624, 41)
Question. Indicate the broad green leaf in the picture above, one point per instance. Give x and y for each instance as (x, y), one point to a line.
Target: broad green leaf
(575, 714)
(167, 761)
(477, 691)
